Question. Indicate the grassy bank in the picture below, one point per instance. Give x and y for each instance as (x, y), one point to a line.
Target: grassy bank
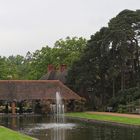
(107, 118)
(7, 134)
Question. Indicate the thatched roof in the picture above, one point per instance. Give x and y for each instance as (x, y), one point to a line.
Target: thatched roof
(34, 89)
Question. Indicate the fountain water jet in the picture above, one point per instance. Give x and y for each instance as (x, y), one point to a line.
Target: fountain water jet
(59, 109)
(58, 133)
(57, 126)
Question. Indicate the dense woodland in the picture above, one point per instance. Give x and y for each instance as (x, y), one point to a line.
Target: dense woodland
(105, 69)
(110, 64)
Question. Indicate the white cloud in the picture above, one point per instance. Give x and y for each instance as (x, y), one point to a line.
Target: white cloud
(31, 24)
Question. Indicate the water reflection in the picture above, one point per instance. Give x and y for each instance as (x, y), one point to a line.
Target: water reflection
(44, 128)
(14, 123)
(58, 133)
(55, 131)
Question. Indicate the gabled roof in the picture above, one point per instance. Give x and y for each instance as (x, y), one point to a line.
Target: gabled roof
(34, 89)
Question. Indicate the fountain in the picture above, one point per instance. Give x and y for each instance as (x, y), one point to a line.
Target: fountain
(59, 109)
(58, 132)
(57, 126)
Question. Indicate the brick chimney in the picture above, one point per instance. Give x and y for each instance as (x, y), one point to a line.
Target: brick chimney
(63, 67)
(51, 68)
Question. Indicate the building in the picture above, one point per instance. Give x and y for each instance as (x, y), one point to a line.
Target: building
(40, 91)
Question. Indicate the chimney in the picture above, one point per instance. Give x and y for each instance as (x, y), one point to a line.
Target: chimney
(63, 67)
(50, 68)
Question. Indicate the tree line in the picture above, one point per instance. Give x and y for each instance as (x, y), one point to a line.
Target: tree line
(110, 62)
(34, 65)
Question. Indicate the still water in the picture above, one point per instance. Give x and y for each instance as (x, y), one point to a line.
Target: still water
(44, 128)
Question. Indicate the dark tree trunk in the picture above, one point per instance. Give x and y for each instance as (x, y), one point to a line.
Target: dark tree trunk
(113, 86)
(122, 80)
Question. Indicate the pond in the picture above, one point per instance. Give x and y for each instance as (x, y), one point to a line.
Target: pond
(44, 128)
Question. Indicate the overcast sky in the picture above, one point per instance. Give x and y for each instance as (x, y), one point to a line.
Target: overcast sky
(28, 25)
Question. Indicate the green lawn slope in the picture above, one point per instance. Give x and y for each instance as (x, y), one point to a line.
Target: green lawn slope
(7, 134)
(107, 118)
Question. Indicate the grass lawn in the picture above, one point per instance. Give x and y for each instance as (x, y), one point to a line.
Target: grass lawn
(7, 134)
(109, 118)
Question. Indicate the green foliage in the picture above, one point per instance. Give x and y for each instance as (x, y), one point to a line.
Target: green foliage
(3, 68)
(122, 109)
(64, 52)
(69, 50)
(34, 65)
(125, 98)
(110, 62)
(14, 67)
